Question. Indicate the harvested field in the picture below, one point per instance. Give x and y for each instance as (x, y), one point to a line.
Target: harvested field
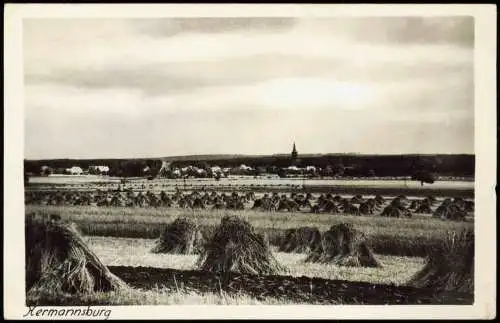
(302, 290)
(250, 198)
(134, 252)
(398, 246)
(131, 215)
(154, 296)
(389, 244)
(155, 284)
(402, 236)
(187, 286)
(88, 180)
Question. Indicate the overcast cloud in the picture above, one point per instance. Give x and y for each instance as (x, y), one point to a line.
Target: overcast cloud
(162, 87)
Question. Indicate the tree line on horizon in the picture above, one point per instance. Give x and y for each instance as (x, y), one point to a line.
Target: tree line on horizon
(330, 165)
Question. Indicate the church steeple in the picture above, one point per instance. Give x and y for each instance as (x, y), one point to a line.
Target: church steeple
(294, 154)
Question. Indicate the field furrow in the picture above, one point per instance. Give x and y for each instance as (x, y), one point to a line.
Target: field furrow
(304, 290)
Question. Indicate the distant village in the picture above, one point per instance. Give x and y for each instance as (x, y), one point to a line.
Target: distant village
(362, 167)
(207, 171)
(186, 172)
(75, 170)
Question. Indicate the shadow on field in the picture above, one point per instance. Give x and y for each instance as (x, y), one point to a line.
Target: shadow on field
(296, 289)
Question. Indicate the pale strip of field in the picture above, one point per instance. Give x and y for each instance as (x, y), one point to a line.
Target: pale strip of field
(159, 296)
(73, 179)
(398, 183)
(136, 252)
(164, 296)
(422, 226)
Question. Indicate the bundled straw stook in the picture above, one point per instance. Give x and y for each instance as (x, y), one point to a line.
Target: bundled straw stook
(450, 211)
(345, 246)
(59, 261)
(449, 267)
(395, 211)
(425, 208)
(301, 240)
(235, 246)
(179, 237)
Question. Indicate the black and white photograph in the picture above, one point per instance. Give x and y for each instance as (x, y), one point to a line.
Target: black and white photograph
(237, 158)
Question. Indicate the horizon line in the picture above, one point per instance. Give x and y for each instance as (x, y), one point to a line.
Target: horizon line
(246, 155)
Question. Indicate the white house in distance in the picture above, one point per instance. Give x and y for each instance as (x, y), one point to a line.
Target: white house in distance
(75, 170)
(99, 169)
(216, 169)
(245, 167)
(310, 169)
(45, 170)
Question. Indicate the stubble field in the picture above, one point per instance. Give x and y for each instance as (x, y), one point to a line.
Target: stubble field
(122, 238)
(393, 236)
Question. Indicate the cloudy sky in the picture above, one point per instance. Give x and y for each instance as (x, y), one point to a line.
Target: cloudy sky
(163, 87)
